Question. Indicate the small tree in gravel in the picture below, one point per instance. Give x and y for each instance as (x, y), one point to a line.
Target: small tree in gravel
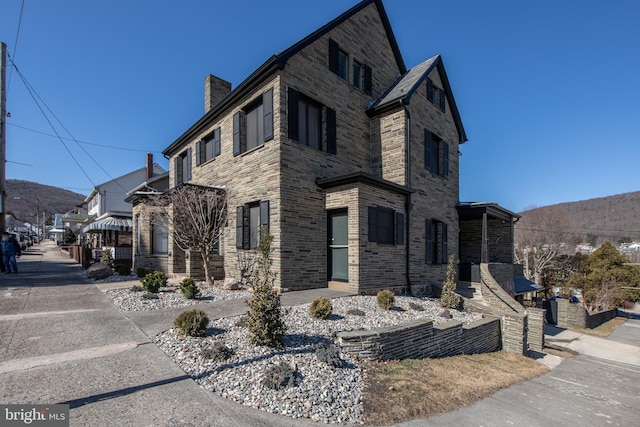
(448, 297)
(263, 320)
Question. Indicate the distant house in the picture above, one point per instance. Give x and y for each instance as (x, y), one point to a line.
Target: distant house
(111, 225)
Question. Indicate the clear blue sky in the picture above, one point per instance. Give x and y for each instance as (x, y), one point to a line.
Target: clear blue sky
(548, 90)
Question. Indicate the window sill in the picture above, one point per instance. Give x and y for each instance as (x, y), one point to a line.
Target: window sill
(254, 149)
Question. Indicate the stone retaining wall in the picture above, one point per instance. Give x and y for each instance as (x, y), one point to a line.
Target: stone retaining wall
(421, 338)
(575, 315)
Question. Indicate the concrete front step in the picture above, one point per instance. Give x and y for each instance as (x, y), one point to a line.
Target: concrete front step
(470, 290)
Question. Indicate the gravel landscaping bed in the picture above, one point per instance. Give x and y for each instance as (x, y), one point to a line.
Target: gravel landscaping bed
(170, 297)
(321, 393)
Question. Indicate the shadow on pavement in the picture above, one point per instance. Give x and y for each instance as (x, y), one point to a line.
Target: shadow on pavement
(76, 403)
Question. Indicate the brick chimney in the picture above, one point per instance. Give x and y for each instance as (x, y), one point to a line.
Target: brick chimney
(214, 90)
(149, 165)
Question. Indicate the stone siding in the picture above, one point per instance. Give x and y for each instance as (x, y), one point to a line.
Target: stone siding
(142, 255)
(535, 333)
(575, 315)
(500, 241)
(285, 172)
(421, 339)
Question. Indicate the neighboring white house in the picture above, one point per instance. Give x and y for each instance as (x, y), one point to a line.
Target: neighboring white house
(112, 225)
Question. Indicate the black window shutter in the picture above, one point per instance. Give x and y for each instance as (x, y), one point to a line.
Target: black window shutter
(187, 174)
(373, 224)
(176, 171)
(445, 148)
(445, 244)
(333, 56)
(216, 142)
(431, 94)
(264, 214)
(441, 98)
(292, 106)
(367, 79)
(427, 150)
(399, 228)
(332, 143)
(267, 109)
(240, 227)
(199, 147)
(429, 249)
(236, 133)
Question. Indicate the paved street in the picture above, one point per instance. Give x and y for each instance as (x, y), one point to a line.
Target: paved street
(62, 341)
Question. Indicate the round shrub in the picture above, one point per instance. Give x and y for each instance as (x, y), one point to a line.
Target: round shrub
(329, 354)
(142, 272)
(321, 308)
(386, 300)
(279, 377)
(218, 352)
(122, 269)
(189, 288)
(192, 322)
(154, 281)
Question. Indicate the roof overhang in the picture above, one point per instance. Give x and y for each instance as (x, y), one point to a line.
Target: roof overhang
(364, 178)
(476, 210)
(524, 286)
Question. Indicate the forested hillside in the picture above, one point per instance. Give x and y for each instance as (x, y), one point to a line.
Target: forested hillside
(612, 218)
(22, 200)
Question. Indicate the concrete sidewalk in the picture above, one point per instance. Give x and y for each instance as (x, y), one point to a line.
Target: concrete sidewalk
(589, 345)
(63, 341)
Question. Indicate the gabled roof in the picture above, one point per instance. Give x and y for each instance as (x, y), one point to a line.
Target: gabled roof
(401, 91)
(278, 62)
(157, 170)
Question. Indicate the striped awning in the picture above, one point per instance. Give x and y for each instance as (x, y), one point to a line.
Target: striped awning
(110, 223)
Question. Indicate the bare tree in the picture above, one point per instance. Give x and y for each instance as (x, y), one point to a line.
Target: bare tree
(199, 217)
(541, 235)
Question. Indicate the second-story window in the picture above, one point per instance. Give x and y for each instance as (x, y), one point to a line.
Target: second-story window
(357, 74)
(182, 167)
(305, 122)
(208, 147)
(253, 126)
(436, 154)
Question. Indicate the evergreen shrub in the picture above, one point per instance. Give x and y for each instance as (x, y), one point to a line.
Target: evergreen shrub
(192, 322)
(320, 308)
(386, 299)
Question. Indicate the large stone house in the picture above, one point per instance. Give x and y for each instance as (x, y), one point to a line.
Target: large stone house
(349, 158)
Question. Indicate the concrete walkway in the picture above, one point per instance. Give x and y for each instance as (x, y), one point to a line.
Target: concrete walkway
(603, 348)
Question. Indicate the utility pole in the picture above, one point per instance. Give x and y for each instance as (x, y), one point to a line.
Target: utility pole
(3, 128)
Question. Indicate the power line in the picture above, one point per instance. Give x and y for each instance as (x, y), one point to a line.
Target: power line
(84, 142)
(15, 44)
(31, 93)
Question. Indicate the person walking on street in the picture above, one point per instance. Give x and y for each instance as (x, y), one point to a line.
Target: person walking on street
(10, 248)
